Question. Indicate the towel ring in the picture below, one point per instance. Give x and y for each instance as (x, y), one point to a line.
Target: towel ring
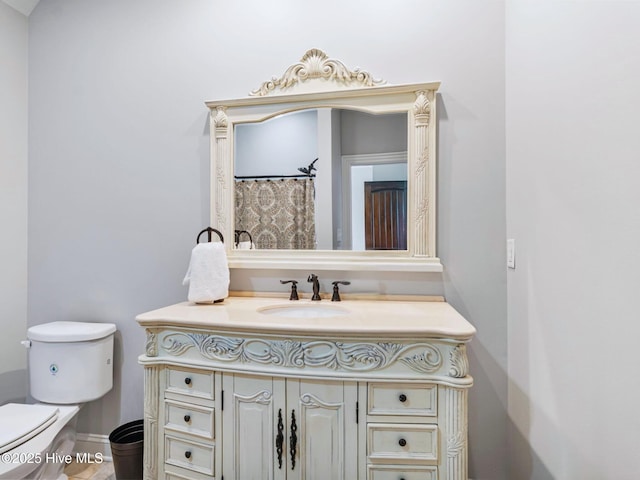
(209, 230)
(239, 233)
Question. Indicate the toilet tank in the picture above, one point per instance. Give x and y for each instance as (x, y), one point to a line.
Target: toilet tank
(70, 362)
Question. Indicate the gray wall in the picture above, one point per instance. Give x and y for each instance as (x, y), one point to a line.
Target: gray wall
(573, 196)
(118, 161)
(277, 146)
(367, 133)
(13, 202)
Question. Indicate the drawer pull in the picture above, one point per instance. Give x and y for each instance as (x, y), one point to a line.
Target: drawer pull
(187, 454)
(402, 398)
(187, 380)
(187, 418)
(402, 442)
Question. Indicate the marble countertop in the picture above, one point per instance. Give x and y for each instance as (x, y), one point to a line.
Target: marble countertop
(359, 318)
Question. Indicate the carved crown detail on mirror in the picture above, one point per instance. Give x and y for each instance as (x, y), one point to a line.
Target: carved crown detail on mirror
(318, 82)
(317, 64)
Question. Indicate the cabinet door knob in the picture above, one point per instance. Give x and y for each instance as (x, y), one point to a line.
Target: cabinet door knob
(402, 398)
(187, 418)
(402, 442)
(187, 380)
(187, 454)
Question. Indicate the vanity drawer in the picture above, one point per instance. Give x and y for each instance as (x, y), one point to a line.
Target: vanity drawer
(189, 382)
(399, 443)
(187, 418)
(401, 472)
(194, 456)
(403, 399)
(172, 472)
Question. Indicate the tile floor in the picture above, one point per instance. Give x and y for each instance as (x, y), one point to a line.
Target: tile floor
(90, 471)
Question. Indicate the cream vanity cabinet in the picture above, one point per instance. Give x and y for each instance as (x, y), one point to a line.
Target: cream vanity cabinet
(378, 392)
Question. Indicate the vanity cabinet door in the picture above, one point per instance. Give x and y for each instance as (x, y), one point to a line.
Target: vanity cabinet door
(249, 424)
(326, 430)
(287, 429)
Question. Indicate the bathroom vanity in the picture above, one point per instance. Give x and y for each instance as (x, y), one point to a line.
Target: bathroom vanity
(265, 388)
(268, 389)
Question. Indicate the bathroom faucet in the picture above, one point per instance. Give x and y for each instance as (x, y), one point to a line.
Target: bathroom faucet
(336, 292)
(294, 288)
(313, 278)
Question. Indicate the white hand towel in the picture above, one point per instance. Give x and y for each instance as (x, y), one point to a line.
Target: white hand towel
(246, 245)
(208, 274)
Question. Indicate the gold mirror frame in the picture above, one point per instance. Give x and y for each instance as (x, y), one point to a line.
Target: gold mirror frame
(318, 81)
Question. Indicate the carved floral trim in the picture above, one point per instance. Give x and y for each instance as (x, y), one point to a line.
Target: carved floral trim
(151, 345)
(262, 397)
(421, 211)
(422, 109)
(221, 122)
(210, 346)
(316, 64)
(296, 354)
(457, 443)
(311, 401)
(421, 165)
(459, 362)
(426, 362)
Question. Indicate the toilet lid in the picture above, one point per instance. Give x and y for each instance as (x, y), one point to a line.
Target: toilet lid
(22, 422)
(61, 332)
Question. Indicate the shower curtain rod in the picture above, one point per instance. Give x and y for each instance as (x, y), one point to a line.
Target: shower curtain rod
(256, 177)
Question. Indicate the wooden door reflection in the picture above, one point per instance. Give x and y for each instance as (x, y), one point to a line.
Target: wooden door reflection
(385, 215)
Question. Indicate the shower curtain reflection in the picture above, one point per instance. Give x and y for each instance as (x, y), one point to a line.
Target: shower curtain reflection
(279, 213)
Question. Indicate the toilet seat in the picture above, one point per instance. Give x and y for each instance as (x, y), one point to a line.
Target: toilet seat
(27, 458)
(22, 422)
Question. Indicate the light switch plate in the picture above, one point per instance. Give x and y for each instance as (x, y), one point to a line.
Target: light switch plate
(511, 253)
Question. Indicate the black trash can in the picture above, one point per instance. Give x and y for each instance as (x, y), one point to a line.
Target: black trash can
(127, 449)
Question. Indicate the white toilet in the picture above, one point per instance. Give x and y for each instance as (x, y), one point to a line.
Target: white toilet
(69, 363)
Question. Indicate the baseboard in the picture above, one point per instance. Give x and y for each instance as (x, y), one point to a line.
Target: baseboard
(91, 443)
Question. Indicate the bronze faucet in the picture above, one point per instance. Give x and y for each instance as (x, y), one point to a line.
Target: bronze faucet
(336, 292)
(294, 288)
(313, 278)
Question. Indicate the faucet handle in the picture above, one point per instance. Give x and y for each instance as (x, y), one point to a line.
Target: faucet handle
(294, 288)
(313, 278)
(336, 292)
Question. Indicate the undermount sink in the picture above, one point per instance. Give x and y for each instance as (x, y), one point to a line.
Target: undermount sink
(304, 311)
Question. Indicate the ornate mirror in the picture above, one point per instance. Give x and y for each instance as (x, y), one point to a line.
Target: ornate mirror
(326, 168)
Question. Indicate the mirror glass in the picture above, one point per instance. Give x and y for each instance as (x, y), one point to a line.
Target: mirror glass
(321, 179)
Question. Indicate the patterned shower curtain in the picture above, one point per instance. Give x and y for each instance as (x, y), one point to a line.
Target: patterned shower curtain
(278, 213)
